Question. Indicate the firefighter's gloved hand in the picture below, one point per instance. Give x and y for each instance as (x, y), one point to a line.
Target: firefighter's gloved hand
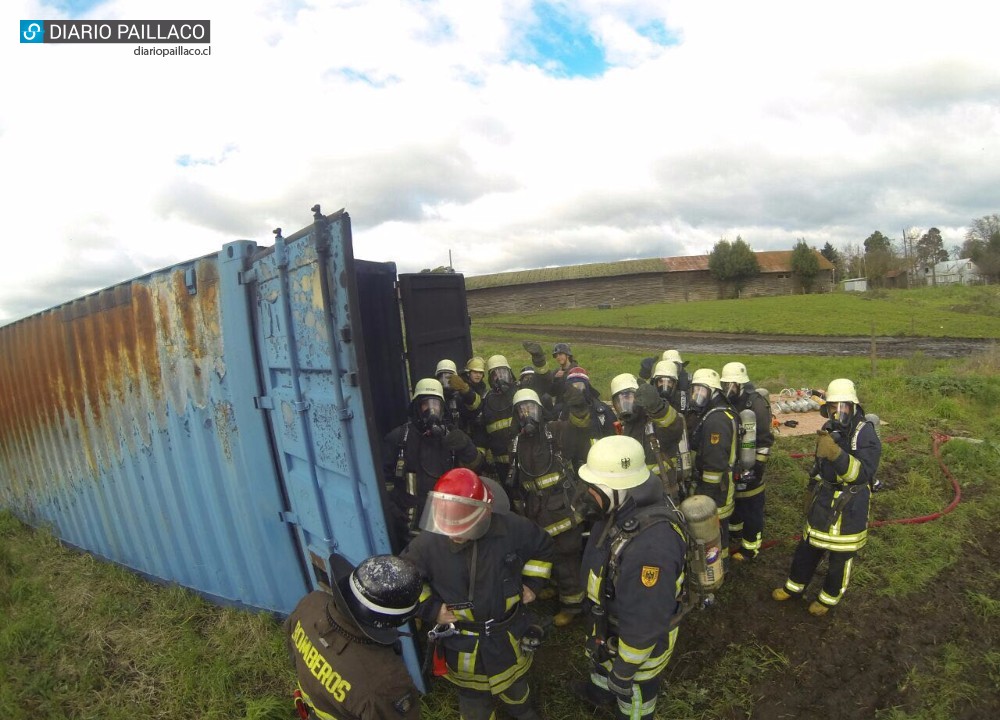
(455, 440)
(620, 688)
(535, 350)
(647, 397)
(646, 368)
(575, 400)
(827, 448)
(532, 638)
(455, 382)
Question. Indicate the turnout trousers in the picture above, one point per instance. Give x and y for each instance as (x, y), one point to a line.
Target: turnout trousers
(746, 524)
(478, 704)
(804, 564)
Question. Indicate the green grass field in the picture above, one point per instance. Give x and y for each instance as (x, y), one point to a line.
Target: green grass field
(954, 311)
(82, 639)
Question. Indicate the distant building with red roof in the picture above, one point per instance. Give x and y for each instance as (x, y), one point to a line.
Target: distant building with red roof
(631, 282)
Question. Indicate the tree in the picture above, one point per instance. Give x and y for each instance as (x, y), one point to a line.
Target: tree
(733, 263)
(805, 264)
(983, 244)
(877, 242)
(853, 261)
(930, 250)
(879, 258)
(831, 254)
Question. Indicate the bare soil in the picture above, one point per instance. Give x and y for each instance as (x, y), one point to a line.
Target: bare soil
(849, 665)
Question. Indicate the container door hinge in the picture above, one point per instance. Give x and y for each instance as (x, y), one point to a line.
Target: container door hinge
(263, 402)
(288, 517)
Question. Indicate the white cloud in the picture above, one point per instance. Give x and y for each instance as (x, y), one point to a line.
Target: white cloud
(771, 120)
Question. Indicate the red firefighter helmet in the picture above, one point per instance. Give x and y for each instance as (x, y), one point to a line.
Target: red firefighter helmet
(459, 506)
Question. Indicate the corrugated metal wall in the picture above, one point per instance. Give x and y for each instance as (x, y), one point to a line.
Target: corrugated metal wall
(127, 424)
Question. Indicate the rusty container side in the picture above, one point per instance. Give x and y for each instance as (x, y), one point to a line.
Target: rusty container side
(127, 425)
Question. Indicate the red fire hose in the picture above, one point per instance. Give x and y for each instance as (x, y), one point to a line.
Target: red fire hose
(939, 440)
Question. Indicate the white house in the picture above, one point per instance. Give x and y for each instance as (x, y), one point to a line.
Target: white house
(950, 272)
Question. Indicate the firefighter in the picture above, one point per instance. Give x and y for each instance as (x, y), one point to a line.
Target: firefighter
(475, 372)
(417, 453)
(665, 380)
(714, 443)
(344, 643)
(543, 457)
(602, 416)
(481, 565)
(497, 415)
(634, 566)
(444, 371)
(848, 451)
(652, 421)
(469, 389)
(746, 524)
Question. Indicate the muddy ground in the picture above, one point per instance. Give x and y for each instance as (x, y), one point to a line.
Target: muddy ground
(732, 343)
(853, 664)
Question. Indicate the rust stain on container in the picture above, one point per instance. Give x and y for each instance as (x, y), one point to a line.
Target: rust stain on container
(88, 376)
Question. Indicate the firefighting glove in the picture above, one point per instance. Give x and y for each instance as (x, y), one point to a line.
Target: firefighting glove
(647, 397)
(646, 368)
(455, 382)
(575, 400)
(455, 440)
(621, 689)
(535, 350)
(827, 448)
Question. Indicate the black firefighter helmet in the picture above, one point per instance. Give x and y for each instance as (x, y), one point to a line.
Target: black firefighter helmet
(381, 593)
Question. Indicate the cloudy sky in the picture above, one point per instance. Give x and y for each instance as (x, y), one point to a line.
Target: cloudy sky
(509, 133)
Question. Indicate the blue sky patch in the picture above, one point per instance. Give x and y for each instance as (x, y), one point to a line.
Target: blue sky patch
(74, 8)
(188, 160)
(561, 43)
(658, 33)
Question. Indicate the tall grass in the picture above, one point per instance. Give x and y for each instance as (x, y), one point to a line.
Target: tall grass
(954, 311)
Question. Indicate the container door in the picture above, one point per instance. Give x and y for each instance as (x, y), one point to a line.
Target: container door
(312, 359)
(437, 321)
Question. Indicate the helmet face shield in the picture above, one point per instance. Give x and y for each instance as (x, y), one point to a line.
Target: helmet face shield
(456, 517)
(665, 385)
(700, 395)
(732, 390)
(430, 408)
(528, 412)
(841, 413)
(501, 377)
(444, 376)
(624, 403)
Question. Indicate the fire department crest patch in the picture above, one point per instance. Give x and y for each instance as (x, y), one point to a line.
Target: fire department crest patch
(714, 438)
(650, 574)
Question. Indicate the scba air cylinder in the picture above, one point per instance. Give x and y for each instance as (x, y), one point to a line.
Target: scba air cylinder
(748, 439)
(702, 517)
